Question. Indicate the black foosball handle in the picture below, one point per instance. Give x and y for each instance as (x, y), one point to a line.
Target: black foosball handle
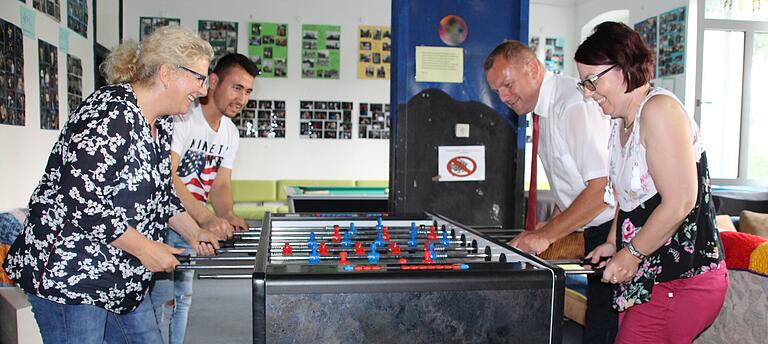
(182, 258)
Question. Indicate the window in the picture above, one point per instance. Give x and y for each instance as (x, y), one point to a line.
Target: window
(732, 109)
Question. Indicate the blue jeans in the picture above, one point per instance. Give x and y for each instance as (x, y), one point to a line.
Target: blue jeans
(89, 324)
(172, 295)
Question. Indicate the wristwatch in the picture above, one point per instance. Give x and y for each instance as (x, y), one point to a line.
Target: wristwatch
(634, 252)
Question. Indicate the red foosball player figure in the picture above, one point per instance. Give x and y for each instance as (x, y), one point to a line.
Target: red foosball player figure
(323, 249)
(432, 235)
(287, 249)
(359, 249)
(336, 237)
(394, 248)
(343, 258)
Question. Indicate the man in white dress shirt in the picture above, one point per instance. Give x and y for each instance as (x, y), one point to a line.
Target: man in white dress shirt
(573, 147)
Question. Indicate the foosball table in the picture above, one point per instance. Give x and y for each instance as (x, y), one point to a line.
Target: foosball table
(380, 279)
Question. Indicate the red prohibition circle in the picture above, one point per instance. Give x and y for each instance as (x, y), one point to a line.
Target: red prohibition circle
(458, 166)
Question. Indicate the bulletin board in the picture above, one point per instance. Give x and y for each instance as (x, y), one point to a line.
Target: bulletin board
(268, 49)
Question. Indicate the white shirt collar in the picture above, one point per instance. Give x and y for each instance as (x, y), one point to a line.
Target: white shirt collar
(545, 95)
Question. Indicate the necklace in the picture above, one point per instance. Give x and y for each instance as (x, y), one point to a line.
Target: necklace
(627, 126)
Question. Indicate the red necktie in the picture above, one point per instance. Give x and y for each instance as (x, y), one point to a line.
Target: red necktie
(530, 216)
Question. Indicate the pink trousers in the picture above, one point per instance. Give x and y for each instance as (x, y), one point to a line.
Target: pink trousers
(678, 310)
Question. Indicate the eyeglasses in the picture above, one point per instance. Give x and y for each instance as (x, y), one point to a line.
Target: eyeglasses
(203, 78)
(589, 83)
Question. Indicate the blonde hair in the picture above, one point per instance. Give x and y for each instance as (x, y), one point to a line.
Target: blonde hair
(139, 62)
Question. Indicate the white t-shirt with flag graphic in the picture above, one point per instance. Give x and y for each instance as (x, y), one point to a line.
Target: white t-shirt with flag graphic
(202, 150)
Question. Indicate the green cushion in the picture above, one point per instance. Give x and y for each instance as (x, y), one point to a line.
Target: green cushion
(253, 212)
(283, 209)
(253, 191)
(372, 182)
(281, 184)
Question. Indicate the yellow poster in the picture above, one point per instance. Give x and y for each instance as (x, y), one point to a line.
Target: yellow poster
(373, 50)
(439, 64)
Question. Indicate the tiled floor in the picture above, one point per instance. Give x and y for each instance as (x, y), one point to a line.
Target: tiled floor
(221, 313)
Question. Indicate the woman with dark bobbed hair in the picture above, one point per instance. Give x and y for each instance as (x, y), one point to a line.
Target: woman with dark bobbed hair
(94, 234)
(667, 259)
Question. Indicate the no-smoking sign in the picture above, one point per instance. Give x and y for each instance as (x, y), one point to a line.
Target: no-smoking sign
(462, 166)
(461, 163)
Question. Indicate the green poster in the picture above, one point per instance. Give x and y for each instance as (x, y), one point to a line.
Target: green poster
(221, 34)
(268, 48)
(320, 50)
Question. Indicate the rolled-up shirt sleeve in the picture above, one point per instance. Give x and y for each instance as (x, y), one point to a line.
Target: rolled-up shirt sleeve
(94, 170)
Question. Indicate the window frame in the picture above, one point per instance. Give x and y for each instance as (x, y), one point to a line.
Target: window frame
(749, 28)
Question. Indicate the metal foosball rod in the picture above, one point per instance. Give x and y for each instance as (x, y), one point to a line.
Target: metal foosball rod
(420, 243)
(384, 249)
(383, 257)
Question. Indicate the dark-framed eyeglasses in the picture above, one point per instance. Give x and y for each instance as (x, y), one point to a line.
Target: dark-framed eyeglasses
(589, 83)
(203, 78)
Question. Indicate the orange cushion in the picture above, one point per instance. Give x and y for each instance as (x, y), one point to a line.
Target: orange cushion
(3, 252)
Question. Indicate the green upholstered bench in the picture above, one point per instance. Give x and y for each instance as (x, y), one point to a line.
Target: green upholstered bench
(281, 184)
(253, 198)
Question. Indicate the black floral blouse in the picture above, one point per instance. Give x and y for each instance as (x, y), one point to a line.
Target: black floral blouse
(104, 173)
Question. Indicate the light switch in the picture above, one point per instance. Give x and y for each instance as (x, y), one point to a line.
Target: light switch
(462, 129)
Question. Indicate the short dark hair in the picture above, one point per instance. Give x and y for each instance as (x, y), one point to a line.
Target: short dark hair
(511, 50)
(613, 43)
(231, 60)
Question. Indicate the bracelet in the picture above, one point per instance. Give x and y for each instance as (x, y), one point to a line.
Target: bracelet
(634, 252)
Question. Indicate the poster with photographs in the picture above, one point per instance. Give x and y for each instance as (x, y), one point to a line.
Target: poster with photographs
(11, 74)
(268, 48)
(533, 43)
(325, 120)
(49, 85)
(554, 56)
(77, 16)
(262, 118)
(373, 122)
(320, 51)
(74, 82)
(148, 25)
(221, 34)
(672, 30)
(373, 51)
(49, 7)
(650, 33)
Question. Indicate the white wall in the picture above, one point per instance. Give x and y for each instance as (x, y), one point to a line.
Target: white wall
(295, 157)
(554, 18)
(24, 149)
(641, 10)
(107, 20)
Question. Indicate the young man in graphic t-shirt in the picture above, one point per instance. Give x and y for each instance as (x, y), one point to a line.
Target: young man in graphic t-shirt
(203, 150)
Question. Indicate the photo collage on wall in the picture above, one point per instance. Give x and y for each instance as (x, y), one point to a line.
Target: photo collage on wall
(74, 82)
(554, 55)
(262, 118)
(374, 47)
(672, 42)
(11, 74)
(49, 7)
(325, 120)
(268, 49)
(221, 34)
(373, 122)
(650, 33)
(77, 16)
(320, 51)
(49, 85)
(148, 25)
